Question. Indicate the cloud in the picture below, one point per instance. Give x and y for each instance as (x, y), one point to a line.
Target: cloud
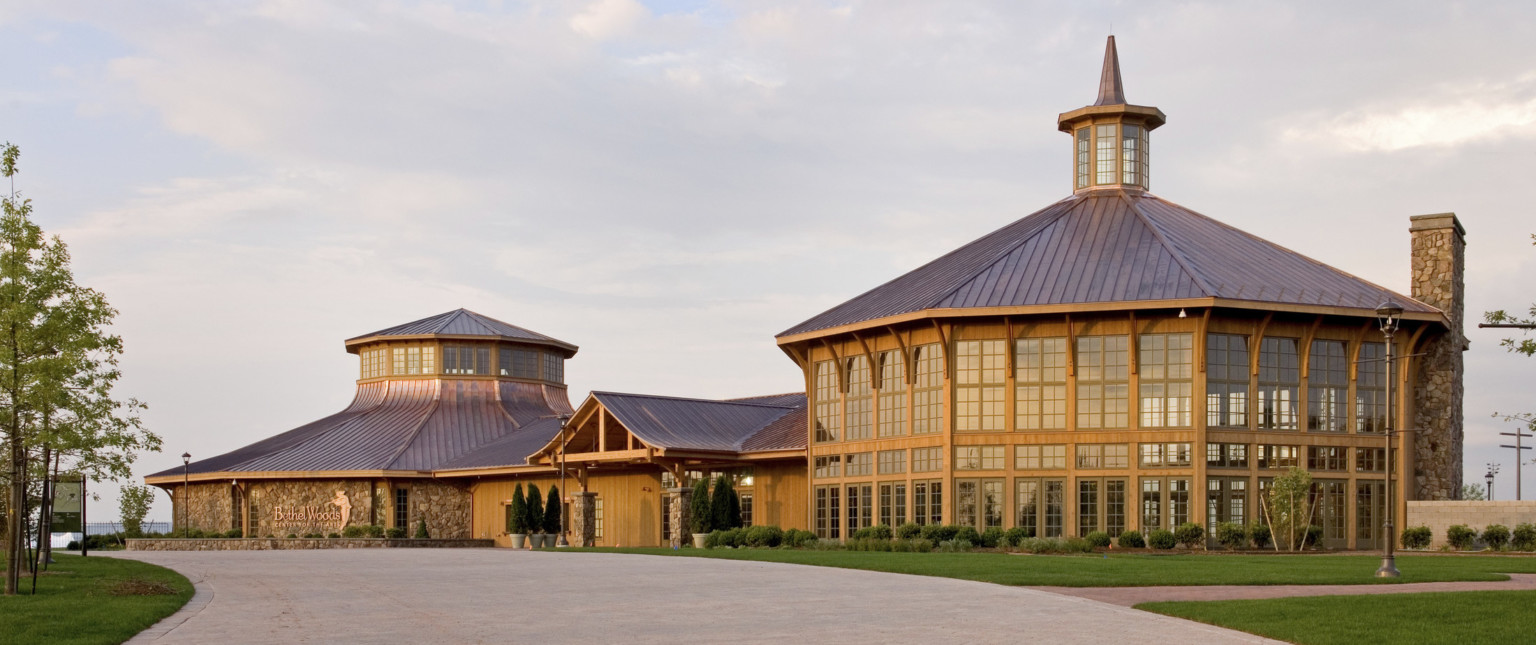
(606, 19)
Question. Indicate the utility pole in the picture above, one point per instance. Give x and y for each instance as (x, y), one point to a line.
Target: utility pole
(1519, 456)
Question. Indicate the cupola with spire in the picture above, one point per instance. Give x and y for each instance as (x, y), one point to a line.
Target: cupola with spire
(1109, 138)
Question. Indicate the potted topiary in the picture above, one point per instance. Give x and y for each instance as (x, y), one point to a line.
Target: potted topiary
(535, 517)
(552, 516)
(517, 518)
(700, 521)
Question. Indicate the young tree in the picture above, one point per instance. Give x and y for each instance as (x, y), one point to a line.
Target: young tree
(133, 504)
(1471, 493)
(1288, 506)
(58, 365)
(517, 515)
(1502, 318)
(552, 511)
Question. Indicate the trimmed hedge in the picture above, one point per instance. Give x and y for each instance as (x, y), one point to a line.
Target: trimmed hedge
(908, 531)
(1132, 540)
(1523, 538)
(1460, 536)
(1260, 534)
(1232, 535)
(1417, 537)
(1097, 539)
(1495, 536)
(1162, 539)
(1189, 534)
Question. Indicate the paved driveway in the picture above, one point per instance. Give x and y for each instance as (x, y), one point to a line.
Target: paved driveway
(505, 596)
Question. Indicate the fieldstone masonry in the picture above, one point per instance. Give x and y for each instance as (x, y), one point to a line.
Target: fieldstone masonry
(1439, 264)
(307, 506)
(680, 516)
(583, 519)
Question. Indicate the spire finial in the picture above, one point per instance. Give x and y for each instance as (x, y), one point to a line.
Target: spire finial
(1111, 91)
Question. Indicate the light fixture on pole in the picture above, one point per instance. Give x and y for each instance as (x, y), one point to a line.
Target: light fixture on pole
(1388, 315)
(186, 458)
(1493, 469)
(565, 518)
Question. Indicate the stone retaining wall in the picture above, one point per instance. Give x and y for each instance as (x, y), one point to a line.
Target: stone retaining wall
(277, 544)
(1441, 515)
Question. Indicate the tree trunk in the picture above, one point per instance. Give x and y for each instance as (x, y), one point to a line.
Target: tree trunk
(13, 515)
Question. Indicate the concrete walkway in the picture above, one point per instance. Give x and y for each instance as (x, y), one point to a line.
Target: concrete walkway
(1129, 596)
(501, 595)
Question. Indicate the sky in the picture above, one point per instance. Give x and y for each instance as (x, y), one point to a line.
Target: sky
(669, 184)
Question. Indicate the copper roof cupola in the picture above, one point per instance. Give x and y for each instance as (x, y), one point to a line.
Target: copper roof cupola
(1109, 138)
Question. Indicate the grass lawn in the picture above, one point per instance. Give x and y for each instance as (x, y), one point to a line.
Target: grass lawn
(1132, 570)
(1460, 618)
(91, 600)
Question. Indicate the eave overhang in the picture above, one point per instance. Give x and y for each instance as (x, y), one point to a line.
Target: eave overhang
(1099, 307)
(354, 344)
(219, 476)
(1150, 117)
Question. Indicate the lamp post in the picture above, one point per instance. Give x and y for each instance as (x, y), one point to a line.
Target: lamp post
(1493, 469)
(186, 458)
(565, 519)
(1388, 315)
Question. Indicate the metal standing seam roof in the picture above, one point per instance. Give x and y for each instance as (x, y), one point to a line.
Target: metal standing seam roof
(463, 322)
(739, 425)
(1109, 246)
(411, 425)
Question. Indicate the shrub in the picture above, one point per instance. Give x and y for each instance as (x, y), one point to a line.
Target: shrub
(1496, 536)
(1018, 534)
(1055, 545)
(354, 531)
(967, 533)
(825, 545)
(375, 531)
(726, 538)
(333, 535)
(908, 545)
(1260, 535)
(992, 538)
(1132, 540)
(535, 511)
(1419, 537)
(552, 511)
(720, 505)
(1523, 538)
(394, 532)
(880, 532)
(1314, 536)
(698, 508)
(869, 544)
(1460, 536)
(1189, 534)
(1097, 539)
(958, 545)
(517, 514)
(292, 536)
(234, 533)
(1232, 535)
(798, 538)
(937, 533)
(908, 531)
(1162, 539)
(762, 535)
(421, 529)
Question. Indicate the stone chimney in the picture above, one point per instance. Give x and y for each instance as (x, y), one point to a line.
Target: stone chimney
(1439, 264)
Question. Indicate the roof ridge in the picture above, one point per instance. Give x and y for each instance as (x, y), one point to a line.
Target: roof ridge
(1007, 250)
(1178, 256)
(694, 399)
(1298, 254)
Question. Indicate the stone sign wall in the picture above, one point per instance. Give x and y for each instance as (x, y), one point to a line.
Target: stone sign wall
(279, 508)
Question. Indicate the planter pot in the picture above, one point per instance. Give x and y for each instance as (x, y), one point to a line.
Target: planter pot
(541, 540)
(699, 539)
(519, 540)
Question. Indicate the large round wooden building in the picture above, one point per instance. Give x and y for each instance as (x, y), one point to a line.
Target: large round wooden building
(1117, 361)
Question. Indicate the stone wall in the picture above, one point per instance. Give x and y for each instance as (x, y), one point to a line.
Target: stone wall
(1439, 264)
(278, 544)
(1440, 515)
(281, 507)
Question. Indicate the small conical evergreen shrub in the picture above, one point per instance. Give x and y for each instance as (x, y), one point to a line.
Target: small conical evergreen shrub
(552, 512)
(421, 529)
(517, 515)
(535, 510)
(735, 513)
(720, 505)
(698, 510)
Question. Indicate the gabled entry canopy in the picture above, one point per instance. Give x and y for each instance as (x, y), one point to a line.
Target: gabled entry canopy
(633, 428)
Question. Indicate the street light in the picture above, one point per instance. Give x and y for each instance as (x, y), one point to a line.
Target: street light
(1493, 469)
(1388, 315)
(186, 458)
(565, 519)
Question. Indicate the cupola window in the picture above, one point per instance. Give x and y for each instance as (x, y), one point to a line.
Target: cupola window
(374, 362)
(466, 359)
(1084, 141)
(414, 360)
(1104, 166)
(1133, 156)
